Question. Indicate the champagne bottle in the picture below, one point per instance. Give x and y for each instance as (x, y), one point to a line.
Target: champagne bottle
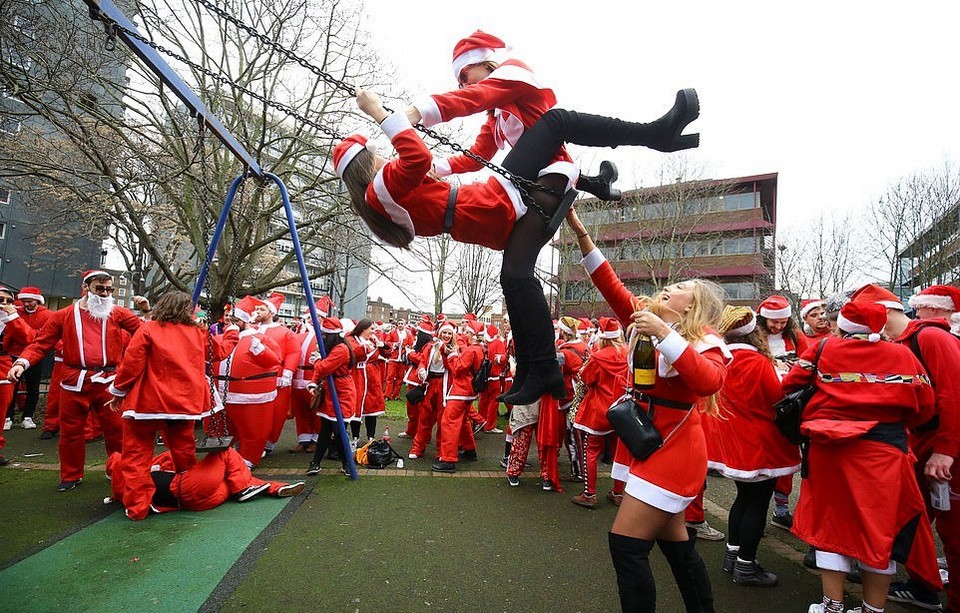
(644, 364)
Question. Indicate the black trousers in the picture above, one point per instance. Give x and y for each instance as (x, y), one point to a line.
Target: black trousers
(748, 516)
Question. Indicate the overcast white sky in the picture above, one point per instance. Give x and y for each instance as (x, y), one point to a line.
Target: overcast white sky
(840, 98)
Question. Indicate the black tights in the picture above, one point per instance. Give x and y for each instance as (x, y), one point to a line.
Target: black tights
(329, 430)
(529, 312)
(748, 516)
(370, 421)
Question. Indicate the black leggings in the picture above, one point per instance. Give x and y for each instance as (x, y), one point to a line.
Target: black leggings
(328, 430)
(529, 312)
(370, 421)
(748, 516)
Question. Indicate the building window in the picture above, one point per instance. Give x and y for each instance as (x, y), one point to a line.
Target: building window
(4, 196)
(3, 230)
(123, 281)
(120, 303)
(122, 291)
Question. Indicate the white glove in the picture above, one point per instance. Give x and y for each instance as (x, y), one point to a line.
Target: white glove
(284, 381)
(422, 374)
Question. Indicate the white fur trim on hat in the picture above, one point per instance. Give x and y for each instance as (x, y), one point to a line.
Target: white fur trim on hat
(96, 273)
(565, 328)
(745, 329)
(776, 313)
(347, 157)
(806, 309)
(468, 58)
(36, 297)
(851, 327)
(928, 301)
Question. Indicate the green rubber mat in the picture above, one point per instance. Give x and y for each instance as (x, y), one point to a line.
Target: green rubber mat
(169, 562)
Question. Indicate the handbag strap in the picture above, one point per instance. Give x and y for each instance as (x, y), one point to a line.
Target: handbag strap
(677, 427)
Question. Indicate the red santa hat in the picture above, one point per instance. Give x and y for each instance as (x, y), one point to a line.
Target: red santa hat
(609, 328)
(330, 325)
(941, 297)
(445, 325)
(491, 333)
(347, 324)
(470, 317)
(875, 293)
(425, 326)
(324, 306)
(245, 307)
(440, 318)
(91, 274)
(274, 301)
(476, 48)
(348, 149)
(30, 293)
(585, 325)
(775, 307)
(475, 327)
(808, 305)
(863, 318)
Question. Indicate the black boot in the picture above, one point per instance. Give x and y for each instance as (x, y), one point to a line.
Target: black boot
(666, 135)
(751, 574)
(690, 573)
(544, 378)
(518, 379)
(601, 184)
(638, 590)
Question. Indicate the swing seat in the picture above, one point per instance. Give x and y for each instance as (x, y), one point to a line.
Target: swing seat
(561, 213)
(210, 444)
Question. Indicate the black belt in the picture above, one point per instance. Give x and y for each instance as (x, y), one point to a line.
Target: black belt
(435, 375)
(264, 375)
(451, 206)
(893, 434)
(660, 402)
(933, 424)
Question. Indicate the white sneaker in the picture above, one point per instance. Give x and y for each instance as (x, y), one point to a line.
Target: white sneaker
(494, 431)
(7, 423)
(706, 532)
(412, 456)
(27, 424)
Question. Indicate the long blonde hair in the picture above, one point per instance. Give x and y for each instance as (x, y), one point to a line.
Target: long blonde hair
(357, 177)
(704, 315)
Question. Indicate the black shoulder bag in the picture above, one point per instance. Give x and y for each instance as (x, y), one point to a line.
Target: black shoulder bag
(788, 413)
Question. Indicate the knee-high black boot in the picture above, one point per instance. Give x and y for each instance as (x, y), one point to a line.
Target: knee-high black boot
(638, 590)
(690, 573)
(601, 184)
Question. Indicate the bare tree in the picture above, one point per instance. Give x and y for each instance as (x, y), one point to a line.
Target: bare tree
(127, 156)
(820, 258)
(479, 282)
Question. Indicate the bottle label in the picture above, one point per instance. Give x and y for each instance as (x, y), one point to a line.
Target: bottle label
(644, 376)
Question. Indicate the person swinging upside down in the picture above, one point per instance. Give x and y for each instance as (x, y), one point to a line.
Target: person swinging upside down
(399, 199)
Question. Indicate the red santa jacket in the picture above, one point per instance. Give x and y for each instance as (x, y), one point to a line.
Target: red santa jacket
(249, 374)
(514, 101)
(573, 353)
(340, 365)
(35, 320)
(286, 339)
(940, 354)
(92, 348)
(366, 378)
(163, 372)
(402, 192)
(14, 332)
(462, 365)
(307, 344)
(606, 377)
(744, 442)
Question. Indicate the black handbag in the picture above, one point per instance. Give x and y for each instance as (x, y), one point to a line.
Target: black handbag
(415, 395)
(788, 413)
(635, 427)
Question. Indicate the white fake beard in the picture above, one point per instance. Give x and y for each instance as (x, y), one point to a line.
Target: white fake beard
(99, 307)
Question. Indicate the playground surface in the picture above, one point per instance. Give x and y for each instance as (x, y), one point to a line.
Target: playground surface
(395, 540)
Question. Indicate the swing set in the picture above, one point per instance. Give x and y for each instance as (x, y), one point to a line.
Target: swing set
(117, 25)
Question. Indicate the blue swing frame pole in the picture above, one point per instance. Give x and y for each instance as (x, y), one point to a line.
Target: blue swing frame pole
(105, 8)
(311, 304)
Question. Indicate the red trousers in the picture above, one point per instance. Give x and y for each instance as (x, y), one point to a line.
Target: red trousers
(455, 431)
(784, 485)
(394, 379)
(6, 395)
(431, 411)
(250, 424)
(51, 415)
(487, 404)
(473, 415)
(137, 457)
(589, 447)
(281, 412)
(74, 408)
(306, 419)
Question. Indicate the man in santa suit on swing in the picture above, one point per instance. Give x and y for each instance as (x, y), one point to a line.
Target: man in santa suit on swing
(290, 350)
(94, 331)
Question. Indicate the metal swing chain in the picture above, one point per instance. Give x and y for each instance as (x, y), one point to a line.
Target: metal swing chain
(525, 186)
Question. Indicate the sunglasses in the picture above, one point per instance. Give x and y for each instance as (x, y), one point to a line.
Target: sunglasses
(103, 288)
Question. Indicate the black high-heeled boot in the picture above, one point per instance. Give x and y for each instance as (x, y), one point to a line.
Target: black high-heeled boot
(518, 379)
(690, 573)
(667, 136)
(545, 377)
(601, 184)
(635, 583)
